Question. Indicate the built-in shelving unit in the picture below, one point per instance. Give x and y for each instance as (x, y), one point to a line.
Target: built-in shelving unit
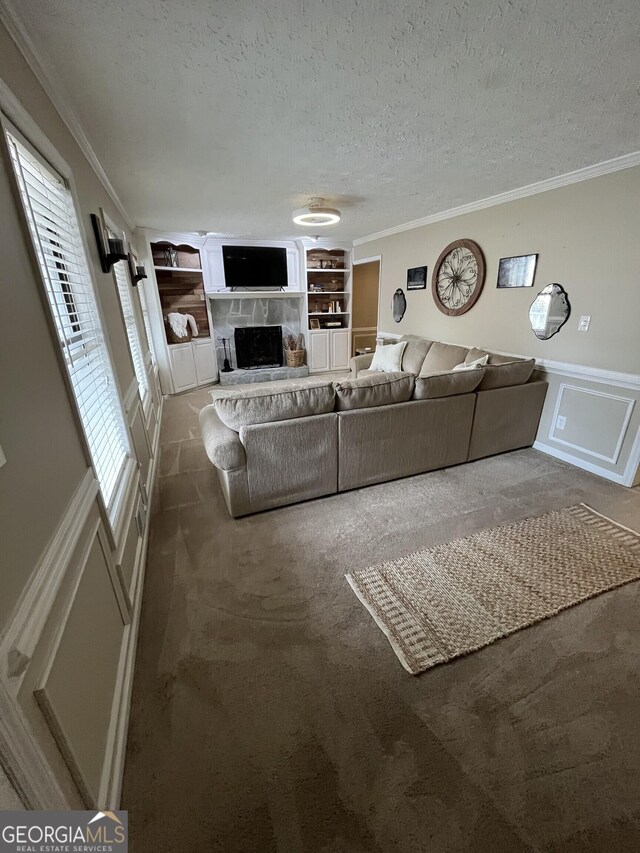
(177, 285)
(327, 283)
(178, 271)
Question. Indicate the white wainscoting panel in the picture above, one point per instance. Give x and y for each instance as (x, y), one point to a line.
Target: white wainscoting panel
(596, 421)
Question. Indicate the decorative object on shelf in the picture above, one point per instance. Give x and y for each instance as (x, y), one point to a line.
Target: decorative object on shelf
(180, 327)
(314, 323)
(136, 271)
(458, 277)
(315, 213)
(110, 250)
(417, 278)
(398, 305)
(294, 350)
(518, 271)
(549, 311)
(170, 257)
(226, 366)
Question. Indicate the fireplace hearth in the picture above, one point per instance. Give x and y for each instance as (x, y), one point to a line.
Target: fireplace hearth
(258, 347)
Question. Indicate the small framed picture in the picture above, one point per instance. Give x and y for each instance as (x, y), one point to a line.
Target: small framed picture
(517, 272)
(314, 323)
(417, 278)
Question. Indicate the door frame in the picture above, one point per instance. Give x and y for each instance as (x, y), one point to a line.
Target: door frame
(370, 260)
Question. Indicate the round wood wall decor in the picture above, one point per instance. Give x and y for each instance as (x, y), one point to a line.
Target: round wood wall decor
(458, 277)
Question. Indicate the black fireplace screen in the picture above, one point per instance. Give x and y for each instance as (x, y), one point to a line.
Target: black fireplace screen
(258, 346)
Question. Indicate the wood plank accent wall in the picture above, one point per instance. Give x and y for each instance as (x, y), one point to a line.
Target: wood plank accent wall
(184, 292)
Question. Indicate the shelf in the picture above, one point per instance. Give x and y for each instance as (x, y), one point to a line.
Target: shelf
(328, 313)
(255, 294)
(327, 292)
(192, 341)
(334, 269)
(178, 269)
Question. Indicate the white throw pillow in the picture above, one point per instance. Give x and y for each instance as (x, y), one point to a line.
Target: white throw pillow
(388, 357)
(479, 362)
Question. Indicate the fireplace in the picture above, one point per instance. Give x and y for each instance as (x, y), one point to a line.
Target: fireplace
(258, 346)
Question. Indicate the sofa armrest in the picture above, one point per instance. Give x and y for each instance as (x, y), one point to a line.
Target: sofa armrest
(361, 362)
(222, 444)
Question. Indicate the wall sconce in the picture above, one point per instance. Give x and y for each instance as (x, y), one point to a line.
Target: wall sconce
(136, 271)
(110, 252)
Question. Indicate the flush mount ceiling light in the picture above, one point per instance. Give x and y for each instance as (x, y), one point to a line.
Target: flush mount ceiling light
(315, 213)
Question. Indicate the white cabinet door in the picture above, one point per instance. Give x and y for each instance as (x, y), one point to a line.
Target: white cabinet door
(213, 269)
(340, 349)
(319, 353)
(204, 358)
(183, 366)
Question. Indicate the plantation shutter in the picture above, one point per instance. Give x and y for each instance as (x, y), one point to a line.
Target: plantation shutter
(56, 236)
(135, 345)
(145, 317)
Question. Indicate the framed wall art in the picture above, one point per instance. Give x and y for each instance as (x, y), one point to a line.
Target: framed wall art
(518, 271)
(458, 277)
(417, 278)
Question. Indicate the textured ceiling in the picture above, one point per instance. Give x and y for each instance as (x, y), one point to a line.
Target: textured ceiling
(224, 116)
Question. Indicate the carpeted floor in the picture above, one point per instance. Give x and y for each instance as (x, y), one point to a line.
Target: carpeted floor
(270, 713)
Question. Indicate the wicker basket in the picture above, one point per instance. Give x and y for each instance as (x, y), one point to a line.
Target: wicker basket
(295, 357)
(172, 338)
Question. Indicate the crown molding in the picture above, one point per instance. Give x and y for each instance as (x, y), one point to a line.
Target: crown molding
(51, 86)
(627, 161)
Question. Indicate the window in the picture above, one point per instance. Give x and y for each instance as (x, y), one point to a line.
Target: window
(135, 345)
(55, 232)
(144, 305)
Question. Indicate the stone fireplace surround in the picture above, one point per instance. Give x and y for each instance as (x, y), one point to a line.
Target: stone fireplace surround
(230, 311)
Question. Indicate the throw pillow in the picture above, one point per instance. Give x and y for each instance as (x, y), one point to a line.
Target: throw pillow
(388, 357)
(470, 365)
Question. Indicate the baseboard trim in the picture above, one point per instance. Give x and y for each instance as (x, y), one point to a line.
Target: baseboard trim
(111, 785)
(580, 463)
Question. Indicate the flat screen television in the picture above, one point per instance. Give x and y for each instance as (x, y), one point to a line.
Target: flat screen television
(254, 267)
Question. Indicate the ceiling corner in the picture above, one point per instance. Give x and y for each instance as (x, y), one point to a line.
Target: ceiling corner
(51, 85)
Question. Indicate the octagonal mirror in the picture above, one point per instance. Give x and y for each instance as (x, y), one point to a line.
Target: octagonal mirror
(549, 311)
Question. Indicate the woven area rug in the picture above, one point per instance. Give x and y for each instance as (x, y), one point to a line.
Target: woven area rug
(456, 598)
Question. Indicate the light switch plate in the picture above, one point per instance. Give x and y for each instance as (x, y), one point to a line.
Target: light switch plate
(2, 458)
(583, 325)
(561, 422)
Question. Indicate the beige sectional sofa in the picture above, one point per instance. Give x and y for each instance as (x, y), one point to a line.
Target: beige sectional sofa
(291, 441)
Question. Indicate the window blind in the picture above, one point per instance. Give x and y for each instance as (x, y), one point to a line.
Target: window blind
(144, 305)
(56, 237)
(135, 345)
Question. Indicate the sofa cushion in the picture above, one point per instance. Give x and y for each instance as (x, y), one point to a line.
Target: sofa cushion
(448, 383)
(502, 371)
(279, 401)
(388, 357)
(375, 389)
(414, 353)
(441, 357)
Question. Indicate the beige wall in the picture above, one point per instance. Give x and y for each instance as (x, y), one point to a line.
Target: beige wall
(587, 238)
(45, 459)
(70, 585)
